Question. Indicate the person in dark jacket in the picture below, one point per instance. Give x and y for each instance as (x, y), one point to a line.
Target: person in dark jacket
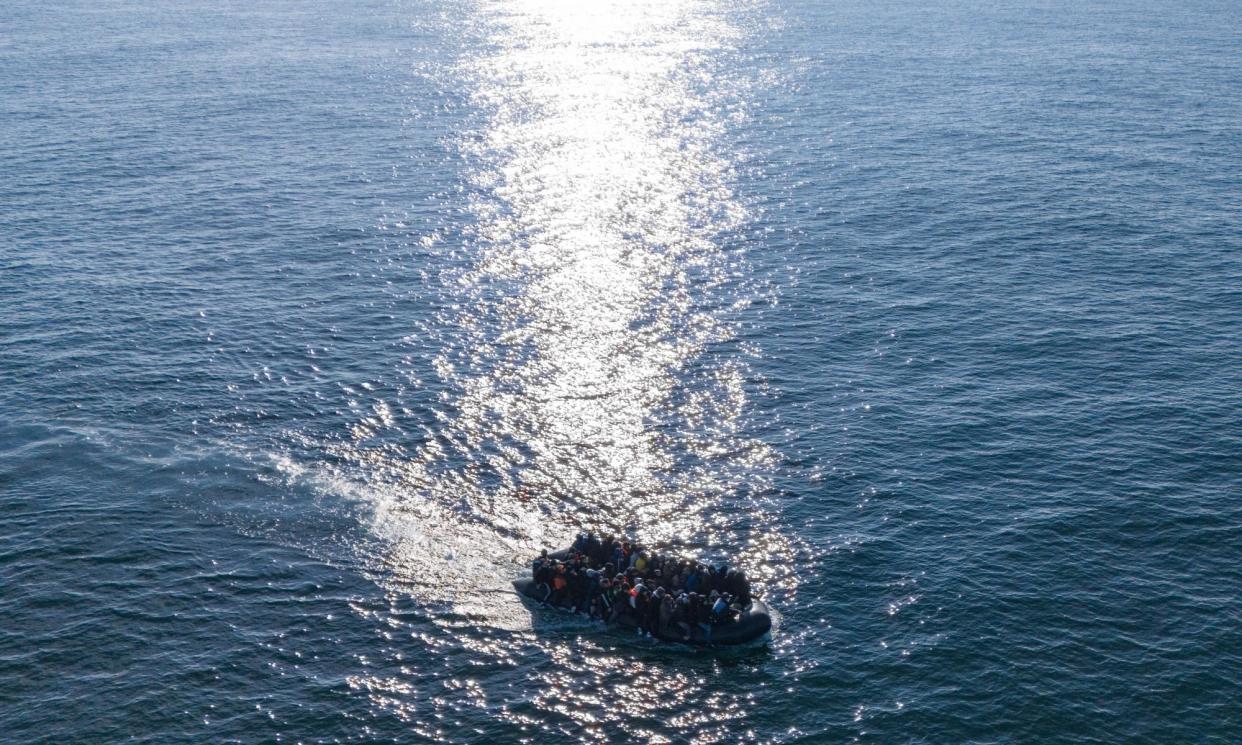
(539, 563)
(738, 586)
(666, 615)
(579, 586)
(680, 616)
(544, 572)
(743, 589)
(641, 600)
(651, 615)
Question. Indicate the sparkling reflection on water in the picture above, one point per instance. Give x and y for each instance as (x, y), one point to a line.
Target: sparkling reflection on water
(577, 353)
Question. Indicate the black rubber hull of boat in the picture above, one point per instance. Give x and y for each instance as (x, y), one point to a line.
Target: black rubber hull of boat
(754, 622)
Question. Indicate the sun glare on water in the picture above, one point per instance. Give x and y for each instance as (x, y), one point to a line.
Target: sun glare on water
(583, 393)
(603, 186)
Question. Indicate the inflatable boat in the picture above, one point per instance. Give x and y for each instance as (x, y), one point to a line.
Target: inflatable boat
(752, 624)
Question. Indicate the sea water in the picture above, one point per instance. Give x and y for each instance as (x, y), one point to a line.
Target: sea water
(318, 320)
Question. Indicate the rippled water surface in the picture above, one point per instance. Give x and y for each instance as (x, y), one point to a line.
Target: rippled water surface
(317, 320)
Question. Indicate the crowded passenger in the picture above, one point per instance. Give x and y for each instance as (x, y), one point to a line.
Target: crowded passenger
(613, 580)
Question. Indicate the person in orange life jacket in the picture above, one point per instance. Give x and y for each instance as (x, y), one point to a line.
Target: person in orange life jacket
(560, 585)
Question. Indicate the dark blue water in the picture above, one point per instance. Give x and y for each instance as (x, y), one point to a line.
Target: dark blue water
(318, 319)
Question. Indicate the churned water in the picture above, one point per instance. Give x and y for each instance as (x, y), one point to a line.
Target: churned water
(317, 320)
